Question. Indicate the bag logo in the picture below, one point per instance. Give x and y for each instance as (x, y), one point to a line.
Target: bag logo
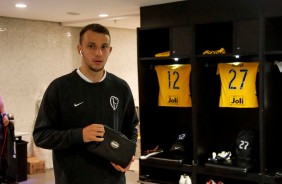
(115, 144)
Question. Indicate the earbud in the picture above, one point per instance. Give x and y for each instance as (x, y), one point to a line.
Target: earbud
(81, 52)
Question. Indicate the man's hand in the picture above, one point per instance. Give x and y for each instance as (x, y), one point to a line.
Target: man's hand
(5, 120)
(93, 132)
(119, 168)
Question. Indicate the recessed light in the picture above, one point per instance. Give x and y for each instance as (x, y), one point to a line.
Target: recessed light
(103, 15)
(20, 5)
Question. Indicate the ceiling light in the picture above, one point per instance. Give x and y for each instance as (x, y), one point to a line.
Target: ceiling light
(20, 5)
(103, 15)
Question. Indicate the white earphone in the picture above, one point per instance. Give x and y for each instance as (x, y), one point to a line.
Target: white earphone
(81, 52)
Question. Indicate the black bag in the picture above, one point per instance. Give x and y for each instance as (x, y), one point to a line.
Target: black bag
(116, 147)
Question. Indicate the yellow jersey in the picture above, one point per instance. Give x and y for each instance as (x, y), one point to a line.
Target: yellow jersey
(238, 84)
(174, 81)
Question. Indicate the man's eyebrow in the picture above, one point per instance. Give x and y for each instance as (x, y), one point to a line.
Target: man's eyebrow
(91, 43)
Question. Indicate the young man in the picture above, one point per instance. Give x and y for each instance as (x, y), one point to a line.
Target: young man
(75, 108)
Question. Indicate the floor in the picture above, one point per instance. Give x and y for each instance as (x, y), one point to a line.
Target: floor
(48, 178)
(132, 175)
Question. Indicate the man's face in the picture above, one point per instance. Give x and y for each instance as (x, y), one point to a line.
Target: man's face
(95, 50)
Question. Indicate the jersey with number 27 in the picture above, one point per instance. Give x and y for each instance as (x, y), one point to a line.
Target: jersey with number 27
(174, 90)
(238, 84)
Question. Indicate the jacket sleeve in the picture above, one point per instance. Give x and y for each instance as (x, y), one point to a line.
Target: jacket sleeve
(131, 120)
(48, 133)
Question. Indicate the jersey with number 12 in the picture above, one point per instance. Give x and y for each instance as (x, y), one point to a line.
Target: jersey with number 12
(174, 85)
(238, 84)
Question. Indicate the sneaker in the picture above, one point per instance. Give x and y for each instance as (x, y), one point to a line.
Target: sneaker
(224, 155)
(188, 180)
(144, 157)
(221, 51)
(163, 54)
(182, 179)
(211, 182)
(212, 52)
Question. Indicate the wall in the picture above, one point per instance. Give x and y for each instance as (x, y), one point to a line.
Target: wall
(33, 53)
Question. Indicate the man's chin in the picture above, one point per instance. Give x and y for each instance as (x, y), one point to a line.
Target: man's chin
(97, 69)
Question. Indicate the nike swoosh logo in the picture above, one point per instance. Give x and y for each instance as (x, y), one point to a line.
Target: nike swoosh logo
(75, 105)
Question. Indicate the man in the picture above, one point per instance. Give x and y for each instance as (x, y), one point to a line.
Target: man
(75, 108)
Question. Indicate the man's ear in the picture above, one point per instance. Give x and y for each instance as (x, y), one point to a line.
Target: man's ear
(79, 50)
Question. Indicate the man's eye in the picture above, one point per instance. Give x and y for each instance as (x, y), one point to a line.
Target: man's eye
(92, 46)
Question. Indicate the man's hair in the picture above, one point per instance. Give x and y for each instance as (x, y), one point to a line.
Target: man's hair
(94, 28)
